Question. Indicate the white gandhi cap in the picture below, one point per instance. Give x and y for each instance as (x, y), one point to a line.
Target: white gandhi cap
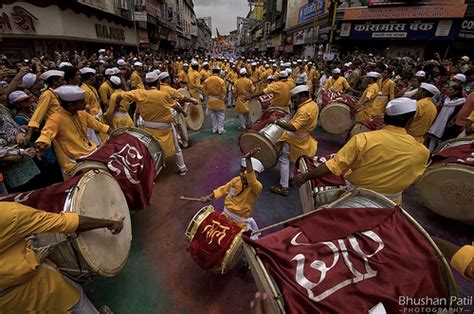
(46, 75)
(87, 70)
(115, 79)
(70, 92)
(163, 75)
(256, 164)
(151, 77)
(430, 87)
(399, 106)
(420, 74)
(373, 74)
(299, 89)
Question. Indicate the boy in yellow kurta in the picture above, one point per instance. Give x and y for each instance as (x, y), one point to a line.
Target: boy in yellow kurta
(243, 88)
(136, 77)
(425, 112)
(194, 81)
(365, 109)
(28, 283)
(68, 127)
(154, 107)
(117, 114)
(297, 140)
(106, 89)
(336, 83)
(241, 192)
(215, 90)
(385, 94)
(386, 161)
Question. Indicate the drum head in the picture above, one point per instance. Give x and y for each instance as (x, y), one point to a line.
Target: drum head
(185, 93)
(448, 190)
(268, 155)
(183, 127)
(195, 118)
(336, 118)
(357, 129)
(196, 221)
(453, 143)
(255, 110)
(306, 190)
(104, 252)
(85, 166)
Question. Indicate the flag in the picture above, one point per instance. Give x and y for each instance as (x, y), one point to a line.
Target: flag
(221, 40)
(346, 260)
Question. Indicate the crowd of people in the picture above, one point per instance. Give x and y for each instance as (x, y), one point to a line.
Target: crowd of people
(56, 109)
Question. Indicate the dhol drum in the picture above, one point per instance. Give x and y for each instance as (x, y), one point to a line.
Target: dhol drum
(96, 252)
(195, 118)
(358, 127)
(267, 140)
(359, 198)
(214, 242)
(152, 144)
(336, 118)
(313, 196)
(447, 188)
(258, 105)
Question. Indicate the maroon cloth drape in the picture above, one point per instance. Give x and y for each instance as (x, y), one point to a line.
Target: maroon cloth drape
(374, 123)
(50, 199)
(347, 260)
(263, 120)
(313, 162)
(213, 238)
(462, 154)
(131, 164)
(330, 97)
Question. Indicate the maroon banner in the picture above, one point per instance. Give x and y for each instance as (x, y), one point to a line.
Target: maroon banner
(374, 123)
(263, 121)
(341, 260)
(50, 199)
(462, 154)
(131, 164)
(213, 238)
(330, 180)
(331, 97)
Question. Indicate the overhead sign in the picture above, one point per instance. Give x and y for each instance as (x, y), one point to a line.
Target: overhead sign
(415, 30)
(385, 2)
(311, 10)
(406, 12)
(467, 29)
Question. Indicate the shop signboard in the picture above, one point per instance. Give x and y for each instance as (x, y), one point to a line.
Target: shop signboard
(467, 29)
(403, 30)
(298, 38)
(311, 10)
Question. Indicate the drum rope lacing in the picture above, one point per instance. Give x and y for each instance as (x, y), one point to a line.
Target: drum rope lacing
(44, 251)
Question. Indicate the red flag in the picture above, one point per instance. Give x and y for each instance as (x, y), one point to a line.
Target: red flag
(131, 164)
(346, 260)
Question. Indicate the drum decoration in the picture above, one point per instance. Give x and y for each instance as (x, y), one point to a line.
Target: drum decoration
(96, 252)
(447, 186)
(213, 241)
(258, 105)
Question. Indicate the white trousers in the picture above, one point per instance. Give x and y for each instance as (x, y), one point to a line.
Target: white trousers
(284, 165)
(230, 98)
(217, 120)
(179, 153)
(244, 120)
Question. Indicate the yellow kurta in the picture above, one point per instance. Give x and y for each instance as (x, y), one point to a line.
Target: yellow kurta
(48, 103)
(205, 74)
(238, 201)
(215, 88)
(194, 83)
(386, 161)
(136, 81)
(425, 115)
(118, 115)
(183, 78)
(371, 93)
(154, 106)
(70, 134)
(385, 94)
(105, 91)
(338, 86)
(37, 289)
(91, 98)
(171, 91)
(242, 87)
(281, 95)
(301, 142)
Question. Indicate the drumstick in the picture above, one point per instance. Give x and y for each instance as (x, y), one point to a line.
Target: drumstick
(185, 198)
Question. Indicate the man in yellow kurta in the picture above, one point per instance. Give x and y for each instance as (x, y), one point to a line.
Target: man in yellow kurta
(243, 88)
(385, 94)
(68, 127)
(117, 114)
(336, 83)
(313, 78)
(215, 90)
(297, 140)
(386, 161)
(281, 93)
(205, 72)
(365, 106)
(194, 81)
(92, 100)
(155, 107)
(241, 192)
(28, 283)
(232, 76)
(183, 76)
(425, 112)
(106, 89)
(136, 77)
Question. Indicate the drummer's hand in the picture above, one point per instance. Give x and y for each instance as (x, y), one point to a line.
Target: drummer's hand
(204, 199)
(21, 139)
(300, 179)
(117, 225)
(41, 148)
(252, 152)
(261, 304)
(30, 152)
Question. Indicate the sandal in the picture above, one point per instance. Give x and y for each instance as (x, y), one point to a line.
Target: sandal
(278, 189)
